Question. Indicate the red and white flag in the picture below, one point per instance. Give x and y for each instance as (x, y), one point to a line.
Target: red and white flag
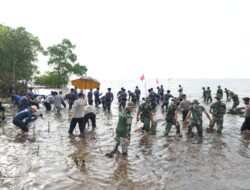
(142, 78)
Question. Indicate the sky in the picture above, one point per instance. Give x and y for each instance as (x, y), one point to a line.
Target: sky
(124, 39)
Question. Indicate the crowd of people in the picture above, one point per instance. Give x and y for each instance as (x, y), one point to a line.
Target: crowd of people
(82, 110)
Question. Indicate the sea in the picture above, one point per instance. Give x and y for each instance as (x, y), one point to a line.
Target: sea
(50, 159)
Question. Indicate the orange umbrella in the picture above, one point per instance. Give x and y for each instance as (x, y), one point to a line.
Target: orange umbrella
(86, 82)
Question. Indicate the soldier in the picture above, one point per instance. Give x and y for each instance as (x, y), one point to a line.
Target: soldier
(218, 110)
(246, 124)
(219, 92)
(204, 94)
(196, 120)
(172, 117)
(184, 106)
(235, 99)
(109, 97)
(227, 93)
(146, 114)
(208, 95)
(123, 130)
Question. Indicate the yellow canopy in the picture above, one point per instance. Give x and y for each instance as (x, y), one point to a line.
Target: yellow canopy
(86, 82)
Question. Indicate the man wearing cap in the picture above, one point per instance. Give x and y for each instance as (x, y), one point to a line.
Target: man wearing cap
(172, 117)
(246, 124)
(23, 118)
(196, 119)
(108, 100)
(76, 114)
(184, 106)
(123, 130)
(146, 114)
(218, 110)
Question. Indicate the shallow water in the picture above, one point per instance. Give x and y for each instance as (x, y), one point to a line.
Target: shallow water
(50, 159)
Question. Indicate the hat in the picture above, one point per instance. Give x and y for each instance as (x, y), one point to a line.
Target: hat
(246, 99)
(130, 105)
(217, 96)
(195, 102)
(34, 108)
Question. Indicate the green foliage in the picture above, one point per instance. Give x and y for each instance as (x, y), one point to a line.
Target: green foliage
(63, 61)
(51, 79)
(18, 52)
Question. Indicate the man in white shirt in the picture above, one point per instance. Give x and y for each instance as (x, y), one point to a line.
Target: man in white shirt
(76, 114)
(89, 115)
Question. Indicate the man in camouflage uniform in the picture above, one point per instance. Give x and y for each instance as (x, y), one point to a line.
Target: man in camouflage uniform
(123, 130)
(208, 95)
(204, 94)
(172, 118)
(227, 93)
(235, 99)
(219, 92)
(218, 110)
(196, 119)
(146, 114)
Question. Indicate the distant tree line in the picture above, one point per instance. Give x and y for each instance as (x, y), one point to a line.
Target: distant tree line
(19, 51)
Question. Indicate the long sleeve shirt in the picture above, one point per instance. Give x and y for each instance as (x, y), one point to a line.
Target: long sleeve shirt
(25, 114)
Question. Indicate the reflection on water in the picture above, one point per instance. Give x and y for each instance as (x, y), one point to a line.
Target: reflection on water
(51, 159)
